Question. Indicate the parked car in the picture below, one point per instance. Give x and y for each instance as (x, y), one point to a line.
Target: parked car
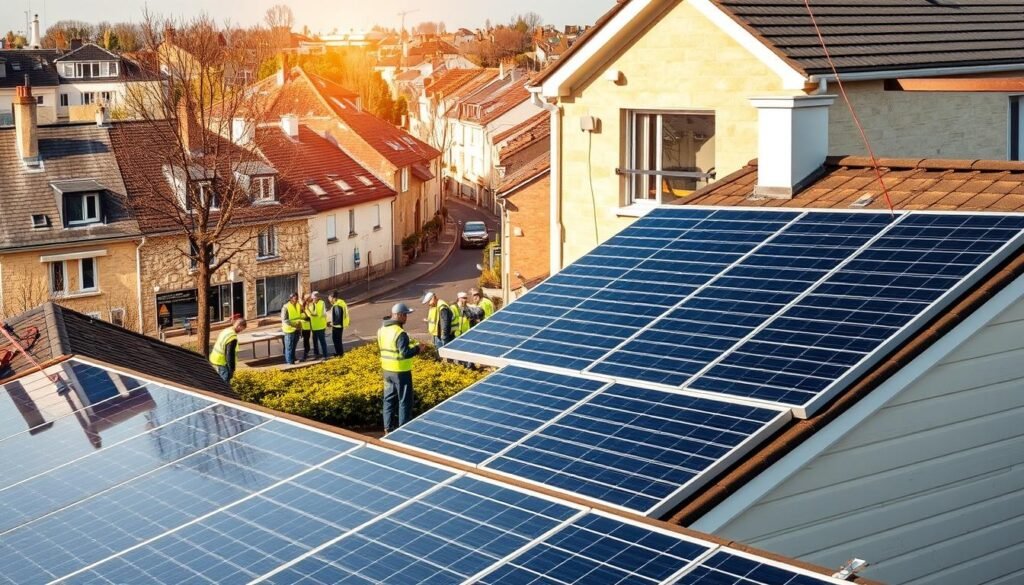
(474, 235)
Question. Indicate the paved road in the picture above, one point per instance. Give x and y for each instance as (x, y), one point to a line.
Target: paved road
(458, 273)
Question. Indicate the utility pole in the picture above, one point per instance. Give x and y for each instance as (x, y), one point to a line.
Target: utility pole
(402, 59)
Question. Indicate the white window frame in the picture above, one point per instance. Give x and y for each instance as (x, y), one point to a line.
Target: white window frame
(332, 266)
(107, 97)
(332, 228)
(95, 276)
(84, 197)
(405, 179)
(266, 243)
(87, 97)
(634, 171)
(263, 189)
(64, 276)
(203, 187)
(352, 223)
(376, 209)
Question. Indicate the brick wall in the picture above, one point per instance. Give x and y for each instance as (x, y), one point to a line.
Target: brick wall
(529, 254)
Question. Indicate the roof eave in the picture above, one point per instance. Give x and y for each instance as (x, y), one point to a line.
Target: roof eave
(880, 74)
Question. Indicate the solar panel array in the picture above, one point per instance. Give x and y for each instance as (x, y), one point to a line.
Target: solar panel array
(779, 306)
(113, 479)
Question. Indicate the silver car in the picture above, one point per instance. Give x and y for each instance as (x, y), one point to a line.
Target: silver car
(474, 235)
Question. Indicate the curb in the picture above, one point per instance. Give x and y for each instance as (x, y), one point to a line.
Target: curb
(451, 249)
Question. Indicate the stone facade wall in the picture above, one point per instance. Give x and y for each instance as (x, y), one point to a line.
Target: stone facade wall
(164, 266)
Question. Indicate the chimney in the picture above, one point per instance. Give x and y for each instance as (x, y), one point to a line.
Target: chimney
(501, 69)
(26, 127)
(280, 75)
(188, 129)
(792, 142)
(290, 125)
(241, 131)
(102, 118)
(35, 42)
(76, 44)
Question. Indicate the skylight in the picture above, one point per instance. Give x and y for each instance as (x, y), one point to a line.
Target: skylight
(343, 185)
(317, 189)
(364, 180)
(40, 220)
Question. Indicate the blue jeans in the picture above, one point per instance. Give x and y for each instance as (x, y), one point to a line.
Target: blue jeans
(225, 373)
(397, 397)
(291, 341)
(438, 342)
(320, 343)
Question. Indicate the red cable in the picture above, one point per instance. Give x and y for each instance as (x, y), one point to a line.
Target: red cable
(849, 106)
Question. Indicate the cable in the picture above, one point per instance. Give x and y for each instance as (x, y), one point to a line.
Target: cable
(849, 106)
(590, 176)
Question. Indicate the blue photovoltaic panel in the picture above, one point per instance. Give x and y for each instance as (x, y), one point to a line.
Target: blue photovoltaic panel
(256, 536)
(729, 568)
(741, 298)
(896, 279)
(637, 448)
(600, 549)
(494, 413)
(444, 537)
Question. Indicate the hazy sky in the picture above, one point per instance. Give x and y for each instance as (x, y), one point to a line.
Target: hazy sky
(319, 15)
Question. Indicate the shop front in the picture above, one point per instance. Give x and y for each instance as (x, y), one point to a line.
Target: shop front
(177, 308)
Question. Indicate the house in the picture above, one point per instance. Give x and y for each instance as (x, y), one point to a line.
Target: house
(234, 492)
(66, 232)
(524, 167)
(265, 242)
(352, 230)
(463, 37)
(69, 85)
(660, 89)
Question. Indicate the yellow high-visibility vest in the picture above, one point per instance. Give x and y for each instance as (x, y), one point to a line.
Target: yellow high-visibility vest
(317, 316)
(390, 360)
(344, 312)
(487, 306)
(434, 317)
(219, 353)
(460, 321)
(294, 314)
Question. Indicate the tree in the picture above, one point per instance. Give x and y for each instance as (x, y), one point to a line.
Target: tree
(280, 20)
(190, 133)
(529, 21)
(9, 39)
(71, 29)
(127, 35)
(59, 41)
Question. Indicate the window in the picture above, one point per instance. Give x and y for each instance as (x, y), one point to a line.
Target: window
(365, 180)
(63, 100)
(203, 190)
(1016, 142)
(82, 208)
(58, 277)
(332, 266)
(193, 260)
(263, 188)
(106, 97)
(87, 275)
(351, 222)
(40, 221)
(376, 215)
(670, 155)
(39, 100)
(332, 228)
(88, 97)
(317, 189)
(267, 243)
(117, 317)
(272, 293)
(343, 185)
(405, 180)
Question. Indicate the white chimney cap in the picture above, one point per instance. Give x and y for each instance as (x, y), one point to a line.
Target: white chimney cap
(290, 125)
(792, 142)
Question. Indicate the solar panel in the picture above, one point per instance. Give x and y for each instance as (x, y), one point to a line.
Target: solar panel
(730, 567)
(492, 414)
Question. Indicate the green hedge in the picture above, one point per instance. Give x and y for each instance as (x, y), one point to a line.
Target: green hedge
(347, 392)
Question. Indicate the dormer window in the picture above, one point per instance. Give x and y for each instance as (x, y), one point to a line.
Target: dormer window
(82, 208)
(204, 194)
(263, 189)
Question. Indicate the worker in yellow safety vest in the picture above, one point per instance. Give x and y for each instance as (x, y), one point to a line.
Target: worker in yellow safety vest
(225, 352)
(316, 310)
(439, 319)
(465, 315)
(291, 322)
(339, 321)
(396, 353)
(478, 299)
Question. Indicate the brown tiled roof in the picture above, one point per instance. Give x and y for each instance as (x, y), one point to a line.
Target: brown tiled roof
(499, 102)
(144, 148)
(936, 184)
(876, 35)
(66, 333)
(525, 173)
(312, 159)
(458, 81)
(433, 47)
(529, 132)
(963, 185)
(540, 120)
(69, 151)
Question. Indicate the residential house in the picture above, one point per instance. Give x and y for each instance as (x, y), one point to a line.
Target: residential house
(266, 242)
(463, 37)
(70, 85)
(352, 230)
(661, 91)
(66, 233)
(428, 117)
(524, 168)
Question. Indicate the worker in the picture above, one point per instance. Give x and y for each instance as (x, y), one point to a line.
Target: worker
(304, 327)
(478, 299)
(291, 321)
(316, 310)
(439, 319)
(339, 321)
(224, 354)
(396, 353)
(465, 315)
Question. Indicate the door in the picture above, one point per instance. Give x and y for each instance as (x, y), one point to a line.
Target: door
(238, 298)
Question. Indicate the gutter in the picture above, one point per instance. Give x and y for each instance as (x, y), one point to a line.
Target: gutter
(138, 280)
(556, 177)
(926, 72)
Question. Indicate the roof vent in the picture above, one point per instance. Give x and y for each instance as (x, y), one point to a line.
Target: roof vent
(40, 220)
(863, 201)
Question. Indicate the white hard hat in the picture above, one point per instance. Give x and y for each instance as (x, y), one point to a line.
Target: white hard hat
(400, 309)
(462, 295)
(427, 297)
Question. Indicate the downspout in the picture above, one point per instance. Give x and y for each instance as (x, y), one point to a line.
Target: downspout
(138, 281)
(506, 252)
(556, 178)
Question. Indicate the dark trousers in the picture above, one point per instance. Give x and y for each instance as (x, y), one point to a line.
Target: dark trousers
(305, 343)
(320, 343)
(291, 340)
(339, 345)
(397, 399)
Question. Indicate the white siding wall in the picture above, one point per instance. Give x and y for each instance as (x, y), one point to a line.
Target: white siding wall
(368, 240)
(929, 489)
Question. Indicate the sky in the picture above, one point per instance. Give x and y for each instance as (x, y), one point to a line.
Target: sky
(320, 15)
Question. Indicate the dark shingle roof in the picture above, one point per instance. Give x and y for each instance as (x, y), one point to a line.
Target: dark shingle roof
(89, 52)
(866, 35)
(70, 152)
(66, 333)
(37, 63)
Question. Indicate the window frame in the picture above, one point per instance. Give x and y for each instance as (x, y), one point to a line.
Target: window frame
(202, 188)
(84, 198)
(352, 223)
(263, 189)
(65, 99)
(405, 180)
(64, 277)
(332, 228)
(267, 244)
(376, 208)
(634, 171)
(81, 276)
(193, 261)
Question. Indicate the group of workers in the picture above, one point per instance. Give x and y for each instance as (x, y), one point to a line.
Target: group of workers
(309, 317)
